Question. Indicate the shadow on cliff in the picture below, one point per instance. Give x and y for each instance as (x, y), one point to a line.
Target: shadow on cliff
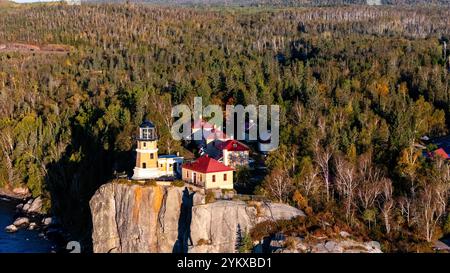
(84, 166)
(184, 239)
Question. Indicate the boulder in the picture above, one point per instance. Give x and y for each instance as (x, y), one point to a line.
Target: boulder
(11, 228)
(199, 199)
(35, 206)
(373, 245)
(26, 207)
(278, 211)
(47, 221)
(21, 222)
(299, 245)
(333, 247)
(32, 226)
(19, 207)
(21, 191)
(319, 248)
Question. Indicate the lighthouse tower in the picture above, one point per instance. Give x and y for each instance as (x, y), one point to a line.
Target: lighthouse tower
(147, 153)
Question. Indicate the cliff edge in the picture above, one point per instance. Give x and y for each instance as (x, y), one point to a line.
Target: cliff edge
(129, 217)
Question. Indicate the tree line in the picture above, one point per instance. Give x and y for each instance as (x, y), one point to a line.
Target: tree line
(358, 87)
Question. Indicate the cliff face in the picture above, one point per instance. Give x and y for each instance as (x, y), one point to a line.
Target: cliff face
(137, 218)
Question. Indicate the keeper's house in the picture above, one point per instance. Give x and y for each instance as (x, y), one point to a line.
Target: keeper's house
(208, 173)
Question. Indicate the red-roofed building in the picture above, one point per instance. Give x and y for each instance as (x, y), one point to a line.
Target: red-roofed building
(441, 153)
(234, 153)
(209, 133)
(208, 173)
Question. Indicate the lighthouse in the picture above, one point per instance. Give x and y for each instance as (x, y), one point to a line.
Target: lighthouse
(146, 153)
(150, 165)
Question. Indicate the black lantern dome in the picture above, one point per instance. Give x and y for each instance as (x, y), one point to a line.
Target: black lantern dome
(147, 124)
(147, 131)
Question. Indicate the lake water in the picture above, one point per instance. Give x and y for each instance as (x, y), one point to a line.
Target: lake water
(22, 241)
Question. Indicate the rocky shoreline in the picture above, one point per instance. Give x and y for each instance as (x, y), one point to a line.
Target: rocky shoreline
(29, 215)
(343, 244)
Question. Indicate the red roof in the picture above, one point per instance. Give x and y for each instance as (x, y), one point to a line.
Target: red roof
(210, 131)
(201, 123)
(233, 145)
(216, 134)
(441, 152)
(206, 164)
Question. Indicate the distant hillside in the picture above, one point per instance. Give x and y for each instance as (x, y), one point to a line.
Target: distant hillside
(4, 3)
(282, 3)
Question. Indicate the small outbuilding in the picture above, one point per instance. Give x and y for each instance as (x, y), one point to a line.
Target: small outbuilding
(208, 173)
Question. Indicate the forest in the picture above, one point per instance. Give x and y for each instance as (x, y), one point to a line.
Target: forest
(281, 3)
(358, 88)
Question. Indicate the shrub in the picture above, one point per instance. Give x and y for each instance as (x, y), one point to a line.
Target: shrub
(46, 205)
(295, 226)
(151, 183)
(431, 147)
(246, 245)
(203, 242)
(257, 206)
(446, 228)
(177, 183)
(290, 243)
(210, 198)
(227, 190)
(262, 230)
(123, 181)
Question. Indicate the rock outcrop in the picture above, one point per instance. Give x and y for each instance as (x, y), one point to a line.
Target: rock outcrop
(21, 222)
(339, 245)
(19, 193)
(131, 217)
(34, 206)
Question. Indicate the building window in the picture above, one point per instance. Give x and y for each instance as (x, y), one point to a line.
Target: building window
(145, 144)
(144, 165)
(187, 174)
(151, 156)
(200, 178)
(160, 165)
(170, 165)
(224, 177)
(214, 178)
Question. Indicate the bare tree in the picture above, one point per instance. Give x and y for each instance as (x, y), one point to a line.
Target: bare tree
(298, 112)
(346, 183)
(308, 180)
(278, 184)
(370, 183)
(163, 107)
(387, 204)
(322, 157)
(431, 207)
(405, 204)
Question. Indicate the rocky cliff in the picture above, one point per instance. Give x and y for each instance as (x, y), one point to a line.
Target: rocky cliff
(151, 218)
